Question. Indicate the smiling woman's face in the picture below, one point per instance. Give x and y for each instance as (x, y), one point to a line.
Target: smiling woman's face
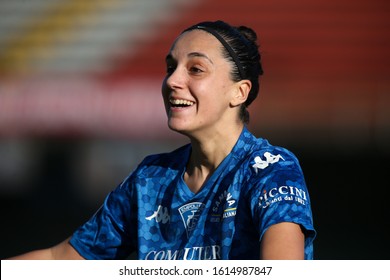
(197, 90)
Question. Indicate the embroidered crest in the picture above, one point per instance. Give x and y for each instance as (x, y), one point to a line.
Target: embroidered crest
(190, 215)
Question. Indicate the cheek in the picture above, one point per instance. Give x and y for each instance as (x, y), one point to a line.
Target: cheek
(210, 107)
(213, 94)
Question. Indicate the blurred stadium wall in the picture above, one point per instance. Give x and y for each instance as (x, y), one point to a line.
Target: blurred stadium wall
(80, 106)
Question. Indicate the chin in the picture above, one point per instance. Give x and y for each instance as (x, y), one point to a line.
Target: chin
(179, 128)
(176, 128)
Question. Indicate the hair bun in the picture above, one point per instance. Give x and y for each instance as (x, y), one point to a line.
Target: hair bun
(248, 33)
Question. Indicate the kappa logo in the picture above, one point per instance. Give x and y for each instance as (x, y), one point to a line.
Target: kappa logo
(269, 159)
(190, 215)
(160, 216)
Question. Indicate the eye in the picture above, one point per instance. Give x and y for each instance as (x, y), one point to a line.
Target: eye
(195, 70)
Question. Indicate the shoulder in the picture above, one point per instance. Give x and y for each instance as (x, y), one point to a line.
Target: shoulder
(266, 166)
(154, 167)
(274, 172)
(260, 153)
(163, 162)
(268, 157)
(263, 158)
(171, 159)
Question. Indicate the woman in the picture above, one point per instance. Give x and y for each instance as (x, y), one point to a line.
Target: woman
(227, 194)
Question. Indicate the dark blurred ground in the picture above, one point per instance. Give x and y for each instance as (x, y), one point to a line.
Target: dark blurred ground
(349, 193)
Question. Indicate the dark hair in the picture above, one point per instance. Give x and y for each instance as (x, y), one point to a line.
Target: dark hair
(241, 48)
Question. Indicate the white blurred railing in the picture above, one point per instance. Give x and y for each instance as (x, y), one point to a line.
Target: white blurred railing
(72, 36)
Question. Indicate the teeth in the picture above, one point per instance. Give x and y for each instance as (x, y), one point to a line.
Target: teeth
(181, 102)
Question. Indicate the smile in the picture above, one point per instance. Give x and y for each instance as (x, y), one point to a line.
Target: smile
(180, 103)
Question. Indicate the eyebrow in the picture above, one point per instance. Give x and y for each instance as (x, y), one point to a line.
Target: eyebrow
(192, 54)
(198, 54)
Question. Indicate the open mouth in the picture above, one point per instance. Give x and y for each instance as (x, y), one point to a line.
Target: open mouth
(180, 103)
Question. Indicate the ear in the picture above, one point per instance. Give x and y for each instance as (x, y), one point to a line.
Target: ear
(241, 93)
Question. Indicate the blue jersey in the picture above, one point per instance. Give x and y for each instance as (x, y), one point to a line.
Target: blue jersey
(154, 213)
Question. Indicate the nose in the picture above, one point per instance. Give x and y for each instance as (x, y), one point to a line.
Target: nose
(175, 79)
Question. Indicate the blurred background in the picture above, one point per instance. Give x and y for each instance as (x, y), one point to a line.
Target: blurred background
(80, 107)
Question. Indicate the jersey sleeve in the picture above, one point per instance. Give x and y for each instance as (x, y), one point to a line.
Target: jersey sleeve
(109, 233)
(279, 194)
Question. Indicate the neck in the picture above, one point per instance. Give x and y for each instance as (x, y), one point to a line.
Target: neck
(208, 152)
(210, 149)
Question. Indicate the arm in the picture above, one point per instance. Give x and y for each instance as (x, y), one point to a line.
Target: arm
(283, 241)
(61, 251)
